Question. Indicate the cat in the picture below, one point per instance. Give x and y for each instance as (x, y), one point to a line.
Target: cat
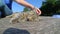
(24, 16)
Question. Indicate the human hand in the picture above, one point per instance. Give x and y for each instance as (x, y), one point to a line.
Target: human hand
(38, 11)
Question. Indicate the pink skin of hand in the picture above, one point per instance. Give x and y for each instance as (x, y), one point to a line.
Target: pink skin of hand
(38, 11)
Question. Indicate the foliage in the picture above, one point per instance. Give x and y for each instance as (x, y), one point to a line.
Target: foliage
(26, 9)
(50, 7)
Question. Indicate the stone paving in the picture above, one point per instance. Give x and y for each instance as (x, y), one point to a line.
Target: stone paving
(46, 25)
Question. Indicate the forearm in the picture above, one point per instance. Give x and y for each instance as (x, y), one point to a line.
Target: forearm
(24, 3)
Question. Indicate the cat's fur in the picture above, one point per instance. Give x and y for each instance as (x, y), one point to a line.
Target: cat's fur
(24, 16)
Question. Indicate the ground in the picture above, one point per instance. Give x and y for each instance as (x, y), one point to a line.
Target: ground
(46, 25)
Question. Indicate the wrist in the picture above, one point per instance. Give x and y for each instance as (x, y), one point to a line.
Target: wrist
(32, 7)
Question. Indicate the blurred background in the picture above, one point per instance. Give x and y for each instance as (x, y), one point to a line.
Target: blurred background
(48, 7)
(18, 8)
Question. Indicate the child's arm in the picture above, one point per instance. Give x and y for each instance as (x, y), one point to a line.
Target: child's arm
(26, 4)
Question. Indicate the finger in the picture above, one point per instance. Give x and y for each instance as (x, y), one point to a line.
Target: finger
(38, 12)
